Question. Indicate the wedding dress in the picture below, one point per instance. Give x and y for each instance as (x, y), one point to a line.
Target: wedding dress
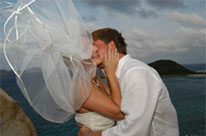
(94, 121)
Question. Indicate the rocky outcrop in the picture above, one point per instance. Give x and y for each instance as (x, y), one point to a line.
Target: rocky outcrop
(13, 120)
(169, 67)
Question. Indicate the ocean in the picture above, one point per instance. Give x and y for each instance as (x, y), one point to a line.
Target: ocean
(187, 94)
(196, 67)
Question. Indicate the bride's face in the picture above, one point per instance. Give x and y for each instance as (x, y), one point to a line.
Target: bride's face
(98, 52)
(95, 56)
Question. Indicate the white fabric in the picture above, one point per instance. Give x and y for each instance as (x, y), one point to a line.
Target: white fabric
(145, 102)
(94, 121)
(47, 45)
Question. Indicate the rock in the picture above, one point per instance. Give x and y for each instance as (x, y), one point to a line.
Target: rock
(13, 120)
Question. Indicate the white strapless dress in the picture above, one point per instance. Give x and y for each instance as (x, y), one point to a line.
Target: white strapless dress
(94, 121)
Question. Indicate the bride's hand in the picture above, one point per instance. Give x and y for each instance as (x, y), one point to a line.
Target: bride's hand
(111, 61)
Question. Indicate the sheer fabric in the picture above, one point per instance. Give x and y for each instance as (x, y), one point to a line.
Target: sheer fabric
(48, 47)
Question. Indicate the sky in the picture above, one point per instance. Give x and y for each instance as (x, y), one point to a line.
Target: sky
(153, 29)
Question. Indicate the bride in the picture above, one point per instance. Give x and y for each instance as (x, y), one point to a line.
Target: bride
(49, 48)
(102, 100)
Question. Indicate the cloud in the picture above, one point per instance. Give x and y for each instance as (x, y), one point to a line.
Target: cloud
(166, 4)
(146, 13)
(143, 43)
(123, 6)
(187, 20)
(192, 30)
(188, 40)
(191, 37)
(89, 18)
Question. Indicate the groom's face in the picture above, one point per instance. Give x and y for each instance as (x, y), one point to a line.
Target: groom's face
(101, 50)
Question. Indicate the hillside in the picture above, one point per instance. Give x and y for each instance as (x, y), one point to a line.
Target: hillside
(169, 67)
(2, 71)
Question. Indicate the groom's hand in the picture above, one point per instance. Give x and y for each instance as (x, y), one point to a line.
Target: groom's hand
(98, 133)
(83, 130)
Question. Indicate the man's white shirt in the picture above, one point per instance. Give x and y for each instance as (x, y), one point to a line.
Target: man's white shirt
(145, 102)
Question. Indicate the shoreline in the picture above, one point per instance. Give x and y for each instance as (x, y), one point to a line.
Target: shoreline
(196, 74)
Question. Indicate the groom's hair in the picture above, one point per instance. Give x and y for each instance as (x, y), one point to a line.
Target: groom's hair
(107, 35)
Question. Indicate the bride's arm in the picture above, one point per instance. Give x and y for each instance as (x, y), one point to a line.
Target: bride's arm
(99, 102)
(102, 104)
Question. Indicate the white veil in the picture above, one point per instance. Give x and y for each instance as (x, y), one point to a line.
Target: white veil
(48, 47)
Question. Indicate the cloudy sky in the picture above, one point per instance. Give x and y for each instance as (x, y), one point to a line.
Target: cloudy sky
(153, 29)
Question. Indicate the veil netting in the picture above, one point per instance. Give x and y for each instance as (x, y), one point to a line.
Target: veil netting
(48, 47)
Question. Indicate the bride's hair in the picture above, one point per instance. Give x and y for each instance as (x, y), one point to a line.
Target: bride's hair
(107, 35)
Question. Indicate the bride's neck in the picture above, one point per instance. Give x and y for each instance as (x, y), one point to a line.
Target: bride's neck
(94, 78)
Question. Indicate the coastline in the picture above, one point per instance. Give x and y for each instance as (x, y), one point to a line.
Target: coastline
(180, 75)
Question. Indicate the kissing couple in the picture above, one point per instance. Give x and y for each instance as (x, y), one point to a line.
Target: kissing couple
(134, 103)
(47, 47)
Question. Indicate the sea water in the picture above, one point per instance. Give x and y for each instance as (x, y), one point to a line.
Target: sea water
(187, 94)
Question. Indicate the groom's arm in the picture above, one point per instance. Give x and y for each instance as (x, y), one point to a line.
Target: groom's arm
(138, 103)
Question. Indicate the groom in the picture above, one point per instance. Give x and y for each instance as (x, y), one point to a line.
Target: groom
(145, 100)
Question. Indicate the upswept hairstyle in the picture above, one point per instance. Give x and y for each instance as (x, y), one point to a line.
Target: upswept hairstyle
(107, 35)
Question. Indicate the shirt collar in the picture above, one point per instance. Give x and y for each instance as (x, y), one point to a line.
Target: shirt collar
(122, 61)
